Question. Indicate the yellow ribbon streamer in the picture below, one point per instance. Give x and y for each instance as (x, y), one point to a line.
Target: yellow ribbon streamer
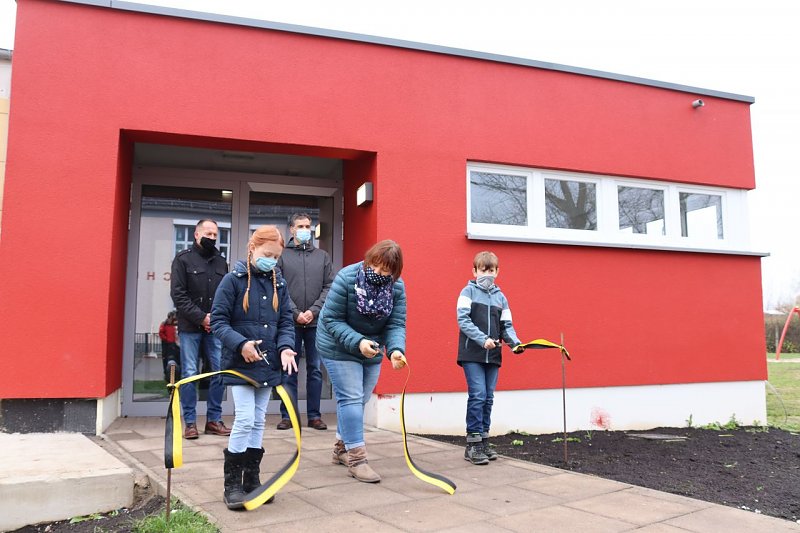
(173, 439)
(543, 343)
(173, 442)
(428, 477)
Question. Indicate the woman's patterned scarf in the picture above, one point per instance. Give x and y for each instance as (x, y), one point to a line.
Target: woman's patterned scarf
(374, 301)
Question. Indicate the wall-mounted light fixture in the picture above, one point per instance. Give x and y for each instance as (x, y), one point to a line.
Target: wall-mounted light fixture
(364, 193)
(698, 103)
(318, 230)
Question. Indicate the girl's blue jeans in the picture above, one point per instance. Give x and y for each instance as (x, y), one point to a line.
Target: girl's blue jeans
(353, 384)
(250, 411)
(481, 382)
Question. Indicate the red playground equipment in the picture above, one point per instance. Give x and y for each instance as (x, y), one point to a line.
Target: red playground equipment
(783, 335)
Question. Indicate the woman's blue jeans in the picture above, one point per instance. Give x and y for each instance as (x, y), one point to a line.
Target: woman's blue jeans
(250, 411)
(353, 384)
(481, 382)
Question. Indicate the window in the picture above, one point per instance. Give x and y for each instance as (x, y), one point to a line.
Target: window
(570, 204)
(498, 198)
(641, 210)
(537, 205)
(701, 215)
(184, 237)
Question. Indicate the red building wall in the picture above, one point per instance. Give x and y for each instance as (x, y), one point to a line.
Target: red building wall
(89, 81)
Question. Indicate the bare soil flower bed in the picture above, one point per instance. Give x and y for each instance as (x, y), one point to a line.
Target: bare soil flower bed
(755, 469)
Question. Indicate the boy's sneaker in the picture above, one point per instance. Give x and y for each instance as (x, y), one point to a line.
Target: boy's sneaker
(488, 450)
(474, 451)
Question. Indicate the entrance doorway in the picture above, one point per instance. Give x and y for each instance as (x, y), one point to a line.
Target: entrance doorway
(166, 203)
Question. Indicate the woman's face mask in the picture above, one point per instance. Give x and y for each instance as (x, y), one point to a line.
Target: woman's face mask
(266, 264)
(373, 278)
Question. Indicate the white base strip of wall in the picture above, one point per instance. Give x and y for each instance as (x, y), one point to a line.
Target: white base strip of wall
(613, 408)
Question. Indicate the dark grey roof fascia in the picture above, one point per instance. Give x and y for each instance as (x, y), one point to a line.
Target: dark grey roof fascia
(398, 43)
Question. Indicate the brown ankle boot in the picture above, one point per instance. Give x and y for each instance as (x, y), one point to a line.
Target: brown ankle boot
(339, 454)
(359, 468)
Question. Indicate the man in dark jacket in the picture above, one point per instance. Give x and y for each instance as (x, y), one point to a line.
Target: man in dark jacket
(309, 274)
(196, 274)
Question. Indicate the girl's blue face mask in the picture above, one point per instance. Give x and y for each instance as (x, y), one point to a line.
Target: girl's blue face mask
(266, 264)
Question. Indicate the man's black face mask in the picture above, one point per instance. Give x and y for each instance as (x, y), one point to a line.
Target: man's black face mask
(208, 244)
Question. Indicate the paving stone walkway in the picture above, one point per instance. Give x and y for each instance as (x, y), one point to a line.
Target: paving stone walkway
(506, 495)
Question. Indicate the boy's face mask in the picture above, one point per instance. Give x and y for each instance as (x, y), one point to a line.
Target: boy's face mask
(485, 282)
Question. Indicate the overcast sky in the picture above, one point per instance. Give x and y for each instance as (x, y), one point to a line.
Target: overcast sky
(736, 46)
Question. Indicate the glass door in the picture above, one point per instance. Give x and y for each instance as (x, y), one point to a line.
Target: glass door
(164, 212)
(274, 208)
(163, 225)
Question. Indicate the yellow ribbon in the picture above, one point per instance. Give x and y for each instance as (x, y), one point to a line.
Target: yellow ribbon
(173, 439)
(428, 477)
(543, 343)
(173, 442)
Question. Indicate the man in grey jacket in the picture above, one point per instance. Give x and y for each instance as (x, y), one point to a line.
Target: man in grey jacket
(309, 274)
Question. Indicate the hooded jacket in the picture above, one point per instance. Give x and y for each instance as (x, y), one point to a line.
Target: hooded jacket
(342, 327)
(309, 274)
(483, 314)
(234, 327)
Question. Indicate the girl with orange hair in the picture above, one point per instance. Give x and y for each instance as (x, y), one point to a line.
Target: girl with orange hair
(252, 316)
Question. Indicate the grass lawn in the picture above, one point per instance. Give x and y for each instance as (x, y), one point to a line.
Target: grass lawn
(784, 356)
(785, 377)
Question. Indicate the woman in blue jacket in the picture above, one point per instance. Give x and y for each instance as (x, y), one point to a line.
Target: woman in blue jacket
(364, 314)
(252, 316)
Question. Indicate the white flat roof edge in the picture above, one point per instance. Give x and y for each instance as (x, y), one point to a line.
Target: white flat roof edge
(398, 43)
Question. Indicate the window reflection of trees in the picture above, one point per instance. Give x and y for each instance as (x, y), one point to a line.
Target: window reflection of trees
(498, 199)
(639, 207)
(570, 204)
(695, 202)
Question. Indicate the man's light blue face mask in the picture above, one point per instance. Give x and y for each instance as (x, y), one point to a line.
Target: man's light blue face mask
(303, 236)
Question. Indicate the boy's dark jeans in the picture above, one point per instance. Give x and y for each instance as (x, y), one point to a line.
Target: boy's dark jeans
(481, 382)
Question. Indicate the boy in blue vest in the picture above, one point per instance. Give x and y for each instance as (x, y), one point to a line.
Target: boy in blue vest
(484, 319)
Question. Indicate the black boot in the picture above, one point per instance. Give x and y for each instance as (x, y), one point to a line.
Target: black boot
(474, 450)
(488, 451)
(234, 466)
(252, 469)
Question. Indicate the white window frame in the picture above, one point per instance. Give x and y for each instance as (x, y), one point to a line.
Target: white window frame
(734, 207)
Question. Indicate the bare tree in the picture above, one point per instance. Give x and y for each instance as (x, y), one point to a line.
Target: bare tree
(498, 199)
(570, 204)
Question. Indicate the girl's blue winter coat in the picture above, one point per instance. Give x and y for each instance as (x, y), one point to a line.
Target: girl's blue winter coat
(234, 327)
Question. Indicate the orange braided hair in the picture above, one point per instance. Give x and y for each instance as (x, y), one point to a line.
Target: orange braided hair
(260, 236)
